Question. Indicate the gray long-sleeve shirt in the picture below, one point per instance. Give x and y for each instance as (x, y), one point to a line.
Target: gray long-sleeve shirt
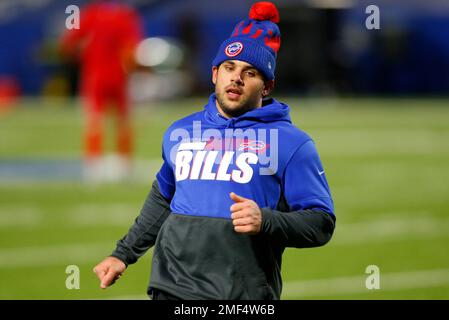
(204, 258)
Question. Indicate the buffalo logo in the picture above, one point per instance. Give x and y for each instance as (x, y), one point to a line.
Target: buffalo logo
(234, 49)
(252, 146)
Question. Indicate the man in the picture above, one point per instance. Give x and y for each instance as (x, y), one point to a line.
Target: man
(238, 185)
(105, 43)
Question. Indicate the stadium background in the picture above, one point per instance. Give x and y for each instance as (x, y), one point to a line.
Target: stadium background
(375, 101)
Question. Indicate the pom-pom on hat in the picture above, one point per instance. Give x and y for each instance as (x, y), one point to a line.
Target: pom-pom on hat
(255, 40)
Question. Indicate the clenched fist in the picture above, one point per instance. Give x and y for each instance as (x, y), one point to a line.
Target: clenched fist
(246, 215)
(109, 270)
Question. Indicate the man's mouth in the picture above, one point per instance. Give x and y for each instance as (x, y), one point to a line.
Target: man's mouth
(233, 93)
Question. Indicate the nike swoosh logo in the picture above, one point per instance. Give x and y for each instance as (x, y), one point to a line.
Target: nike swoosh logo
(320, 172)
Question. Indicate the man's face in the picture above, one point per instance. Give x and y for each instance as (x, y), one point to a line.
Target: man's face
(239, 87)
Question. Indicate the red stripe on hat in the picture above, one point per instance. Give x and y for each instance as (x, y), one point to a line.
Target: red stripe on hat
(257, 34)
(236, 32)
(247, 29)
(274, 43)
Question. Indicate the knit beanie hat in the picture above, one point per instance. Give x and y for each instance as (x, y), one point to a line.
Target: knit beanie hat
(255, 40)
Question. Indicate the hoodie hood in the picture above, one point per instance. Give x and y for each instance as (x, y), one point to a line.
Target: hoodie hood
(271, 111)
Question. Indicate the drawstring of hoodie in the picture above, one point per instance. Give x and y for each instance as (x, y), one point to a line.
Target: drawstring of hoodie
(229, 122)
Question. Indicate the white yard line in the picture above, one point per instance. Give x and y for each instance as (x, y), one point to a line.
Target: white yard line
(110, 214)
(390, 229)
(349, 285)
(53, 255)
(381, 231)
(20, 216)
(334, 287)
(115, 214)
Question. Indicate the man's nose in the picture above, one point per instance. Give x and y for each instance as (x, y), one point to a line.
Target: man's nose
(237, 77)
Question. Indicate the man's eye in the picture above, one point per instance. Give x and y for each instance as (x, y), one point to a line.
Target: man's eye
(251, 73)
(228, 68)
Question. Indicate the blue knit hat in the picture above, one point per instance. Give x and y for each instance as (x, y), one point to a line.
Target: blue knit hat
(255, 40)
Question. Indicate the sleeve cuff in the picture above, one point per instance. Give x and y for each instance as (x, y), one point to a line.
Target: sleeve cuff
(119, 254)
(267, 216)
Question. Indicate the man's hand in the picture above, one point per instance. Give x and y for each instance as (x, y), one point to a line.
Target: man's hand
(246, 215)
(109, 270)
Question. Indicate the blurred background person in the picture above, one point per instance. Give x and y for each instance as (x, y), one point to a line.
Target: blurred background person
(104, 45)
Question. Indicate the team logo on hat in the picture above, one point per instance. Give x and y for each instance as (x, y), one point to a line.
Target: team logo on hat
(234, 49)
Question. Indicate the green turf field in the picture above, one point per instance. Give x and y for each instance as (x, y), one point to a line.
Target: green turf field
(386, 160)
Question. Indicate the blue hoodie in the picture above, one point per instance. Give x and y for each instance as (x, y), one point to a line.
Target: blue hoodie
(259, 155)
(283, 161)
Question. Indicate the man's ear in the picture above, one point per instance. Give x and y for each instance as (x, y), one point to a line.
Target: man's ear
(268, 87)
(214, 74)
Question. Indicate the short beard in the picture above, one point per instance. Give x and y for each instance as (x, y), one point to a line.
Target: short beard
(233, 112)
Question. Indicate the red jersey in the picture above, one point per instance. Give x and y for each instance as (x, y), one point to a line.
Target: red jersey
(105, 41)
